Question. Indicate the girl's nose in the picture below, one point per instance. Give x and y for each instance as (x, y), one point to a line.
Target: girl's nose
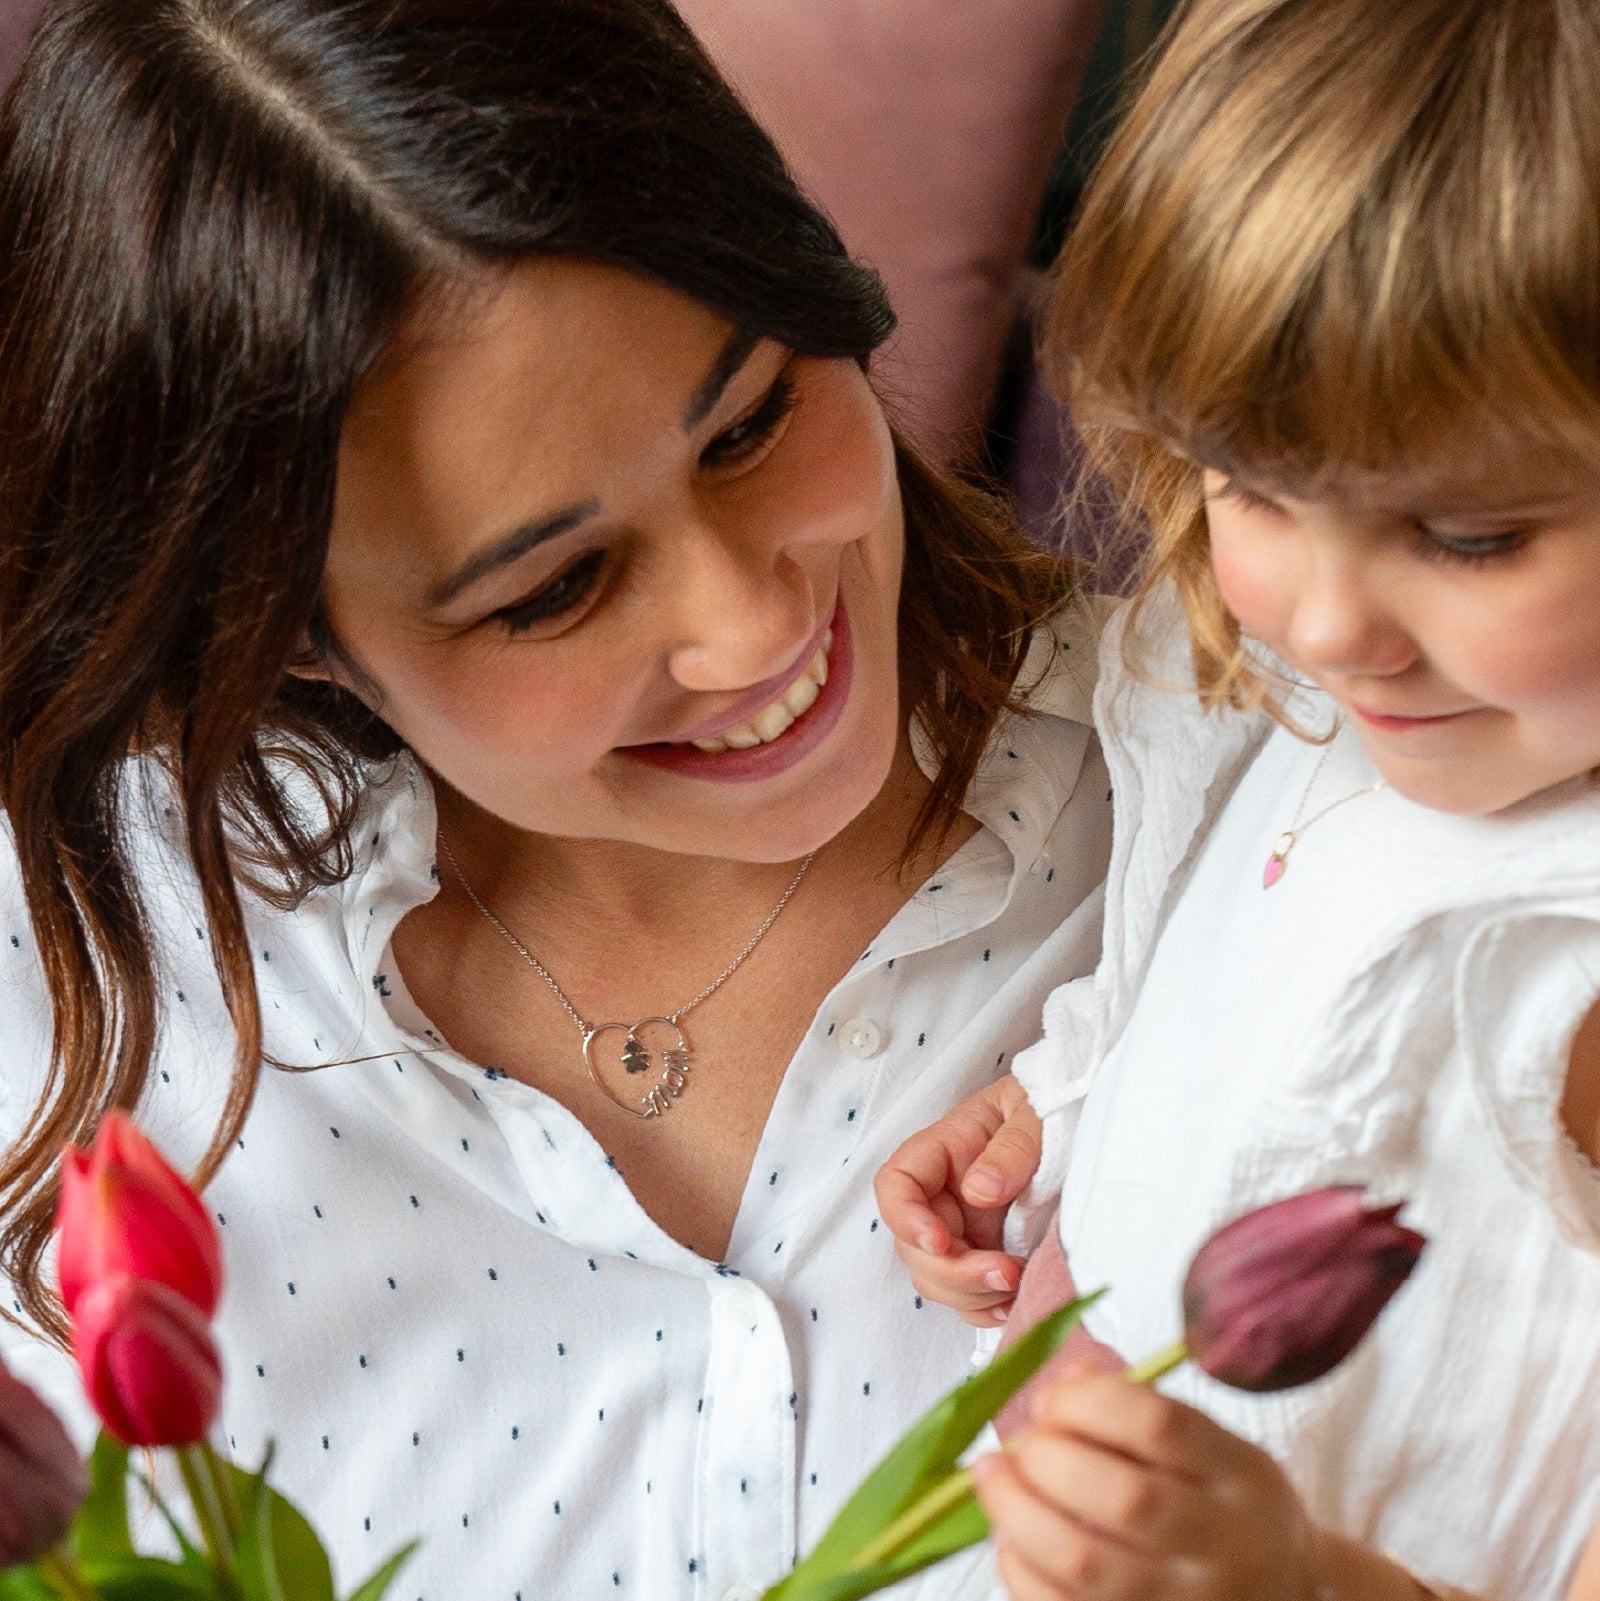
(1341, 624)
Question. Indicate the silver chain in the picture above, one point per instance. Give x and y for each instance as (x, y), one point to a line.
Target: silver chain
(561, 995)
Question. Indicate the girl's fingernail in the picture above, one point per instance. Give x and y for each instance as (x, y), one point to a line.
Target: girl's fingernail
(984, 1183)
(981, 1467)
(996, 1279)
(925, 1242)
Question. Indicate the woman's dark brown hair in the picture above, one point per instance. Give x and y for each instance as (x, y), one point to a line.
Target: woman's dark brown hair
(213, 216)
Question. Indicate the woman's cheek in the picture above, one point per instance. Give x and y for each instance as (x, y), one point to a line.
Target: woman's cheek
(837, 482)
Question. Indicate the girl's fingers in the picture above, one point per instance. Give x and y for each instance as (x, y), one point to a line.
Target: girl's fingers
(1139, 1505)
(1002, 1170)
(1024, 1582)
(966, 1280)
(905, 1187)
(1140, 1422)
(1067, 1558)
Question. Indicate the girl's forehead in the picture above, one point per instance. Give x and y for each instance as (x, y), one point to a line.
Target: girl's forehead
(1472, 473)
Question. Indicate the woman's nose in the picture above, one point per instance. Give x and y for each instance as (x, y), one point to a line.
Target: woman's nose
(743, 620)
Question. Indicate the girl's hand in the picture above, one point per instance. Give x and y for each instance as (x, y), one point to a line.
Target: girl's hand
(944, 1195)
(1117, 1493)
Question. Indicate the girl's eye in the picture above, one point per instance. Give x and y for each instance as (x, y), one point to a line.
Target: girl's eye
(564, 593)
(1247, 498)
(746, 438)
(1464, 551)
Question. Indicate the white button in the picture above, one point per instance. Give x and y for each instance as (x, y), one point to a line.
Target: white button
(861, 1038)
(741, 1592)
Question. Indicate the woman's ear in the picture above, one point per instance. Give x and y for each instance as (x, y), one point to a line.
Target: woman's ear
(309, 663)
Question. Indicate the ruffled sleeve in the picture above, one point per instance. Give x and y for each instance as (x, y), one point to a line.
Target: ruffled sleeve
(1523, 984)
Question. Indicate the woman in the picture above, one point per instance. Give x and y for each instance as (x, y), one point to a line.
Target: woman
(464, 616)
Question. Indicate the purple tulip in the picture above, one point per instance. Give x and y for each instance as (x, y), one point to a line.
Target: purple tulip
(42, 1480)
(1284, 1294)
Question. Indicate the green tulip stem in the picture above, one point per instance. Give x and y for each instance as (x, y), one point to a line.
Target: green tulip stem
(1153, 1367)
(207, 1503)
(222, 1478)
(917, 1518)
(62, 1572)
(951, 1492)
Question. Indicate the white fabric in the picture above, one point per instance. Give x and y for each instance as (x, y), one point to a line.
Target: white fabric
(1395, 1012)
(445, 1304)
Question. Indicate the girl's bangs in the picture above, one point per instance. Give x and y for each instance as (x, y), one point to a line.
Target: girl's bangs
(1334, 239)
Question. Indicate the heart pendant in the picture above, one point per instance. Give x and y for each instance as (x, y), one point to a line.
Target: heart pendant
(670, 1058)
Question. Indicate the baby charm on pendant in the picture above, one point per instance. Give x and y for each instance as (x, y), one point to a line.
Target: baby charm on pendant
(635, 1057)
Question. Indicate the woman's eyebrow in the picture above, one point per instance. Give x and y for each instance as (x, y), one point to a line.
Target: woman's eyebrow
(508, 549)
(741, 343)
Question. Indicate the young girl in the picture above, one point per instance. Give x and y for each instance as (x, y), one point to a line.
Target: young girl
(1332, 317)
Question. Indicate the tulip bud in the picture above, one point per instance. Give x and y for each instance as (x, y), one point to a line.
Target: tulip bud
(148, 1361)
(125, 1210)
(1282, 1295)
(42, 1481)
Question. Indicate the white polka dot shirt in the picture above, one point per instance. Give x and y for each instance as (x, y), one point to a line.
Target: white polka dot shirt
(445, 1305)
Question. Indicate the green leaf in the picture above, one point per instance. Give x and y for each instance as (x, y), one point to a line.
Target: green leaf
(377, 1586)
(101, 1528)
(136, 1578)
(278, 1555)
(25, 1584)
(924, 1458)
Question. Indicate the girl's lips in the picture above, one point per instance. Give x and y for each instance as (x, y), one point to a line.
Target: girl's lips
(1393, 724)
(778, 755)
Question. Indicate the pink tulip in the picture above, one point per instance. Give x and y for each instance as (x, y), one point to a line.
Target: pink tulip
(42, 1482)
(125, 1210)
(148, 1361)
(1282, 1295)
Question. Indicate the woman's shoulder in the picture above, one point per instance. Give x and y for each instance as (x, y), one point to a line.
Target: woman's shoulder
(390, 860)
(1062, 667)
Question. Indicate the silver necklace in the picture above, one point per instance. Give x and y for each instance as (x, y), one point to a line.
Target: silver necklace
(1278, 861)
(673, 1051)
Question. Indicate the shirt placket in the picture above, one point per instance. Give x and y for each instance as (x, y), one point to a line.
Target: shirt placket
(745, 1494)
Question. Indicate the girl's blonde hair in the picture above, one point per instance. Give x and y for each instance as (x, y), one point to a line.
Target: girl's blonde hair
(1330, 238)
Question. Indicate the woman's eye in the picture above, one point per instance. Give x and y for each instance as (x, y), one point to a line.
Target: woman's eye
(754, 430)
(1464, 550)
(564, 593)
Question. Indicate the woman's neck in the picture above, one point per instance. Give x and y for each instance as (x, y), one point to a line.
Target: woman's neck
(545, 884)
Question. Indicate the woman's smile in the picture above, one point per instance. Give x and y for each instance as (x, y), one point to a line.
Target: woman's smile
(786, 729)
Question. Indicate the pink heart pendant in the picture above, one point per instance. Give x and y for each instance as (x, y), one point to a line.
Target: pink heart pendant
(1273, 871)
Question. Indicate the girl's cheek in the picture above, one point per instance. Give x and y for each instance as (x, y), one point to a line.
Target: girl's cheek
(1248, 579)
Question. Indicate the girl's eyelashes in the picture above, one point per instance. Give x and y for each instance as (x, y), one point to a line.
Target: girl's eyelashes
(568, 590)
(1241, 495)
(1462, 550)
(752, 433)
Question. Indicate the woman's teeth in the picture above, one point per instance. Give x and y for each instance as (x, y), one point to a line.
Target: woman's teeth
(776, 719)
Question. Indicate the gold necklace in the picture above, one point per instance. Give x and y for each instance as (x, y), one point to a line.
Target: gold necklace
(673, 1050)
(1278, 861)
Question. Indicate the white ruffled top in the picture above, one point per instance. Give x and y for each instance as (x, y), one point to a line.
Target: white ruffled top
(1396, 1012)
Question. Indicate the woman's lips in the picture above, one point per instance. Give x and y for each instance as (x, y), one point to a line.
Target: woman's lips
(759, 697)
(778, 755)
